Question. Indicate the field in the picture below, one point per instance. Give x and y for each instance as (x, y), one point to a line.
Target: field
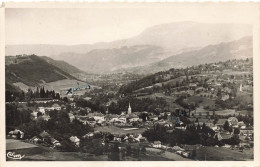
(202, 101)
(168, 155)
(116, 130)
(221, 154)
(169, 99)
(41, 153)
(229, 72)
(12, 144)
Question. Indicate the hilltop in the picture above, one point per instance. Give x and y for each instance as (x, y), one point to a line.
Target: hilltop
(32, 70)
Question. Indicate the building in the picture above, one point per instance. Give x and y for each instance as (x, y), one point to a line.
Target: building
(45, 136)
(241, 88)
(132, 117)
(97, 116)
(232, 121)
(16, 134)
(157, 144)
(75, 140)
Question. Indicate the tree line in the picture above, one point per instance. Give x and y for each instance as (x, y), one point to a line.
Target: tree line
(30, 95)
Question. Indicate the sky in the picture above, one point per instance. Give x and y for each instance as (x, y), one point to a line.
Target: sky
(91, 25)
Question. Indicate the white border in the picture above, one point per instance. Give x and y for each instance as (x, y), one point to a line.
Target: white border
(79, 4)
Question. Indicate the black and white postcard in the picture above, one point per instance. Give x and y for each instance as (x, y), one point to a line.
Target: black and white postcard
(172, 83)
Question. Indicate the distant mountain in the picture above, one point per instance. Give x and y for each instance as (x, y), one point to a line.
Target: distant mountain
(108, 60)
(239, 49)
(165, 39)
(32, 71)
(64, 66)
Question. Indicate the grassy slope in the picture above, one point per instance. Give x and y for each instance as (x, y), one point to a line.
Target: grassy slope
(34, 72)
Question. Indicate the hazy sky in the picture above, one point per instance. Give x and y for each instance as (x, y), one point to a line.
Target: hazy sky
(91, 25)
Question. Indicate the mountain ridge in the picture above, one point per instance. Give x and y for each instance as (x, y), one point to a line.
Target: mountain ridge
(238, 49)
(32, 70)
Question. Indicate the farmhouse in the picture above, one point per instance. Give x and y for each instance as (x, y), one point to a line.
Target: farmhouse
(16, 134)
(75, 140)
(97, 116)
(157, 144)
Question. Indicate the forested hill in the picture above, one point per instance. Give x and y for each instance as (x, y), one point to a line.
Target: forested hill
(32, 70)
(177, 77)
(64, 66)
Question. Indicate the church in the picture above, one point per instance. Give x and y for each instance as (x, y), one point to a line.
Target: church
(129, 110)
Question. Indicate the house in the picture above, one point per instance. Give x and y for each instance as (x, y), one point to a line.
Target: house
(72, 117)
(177, 148)
(111, 117)
(55, 143)
(35, 140)
(226, 146)
(246, 132)
(242, 125)
(132, 117)
(16, 134)
(225, 97)
(45, 136)
(154, 118)
(213, 127)
(143, 139)
(42, 110)
(157, 144)
(137, 137)
(117, 139)
(226, 90)
(221, 122)
(192, 85)
(88, 135)
(45, 117)
(73, 105)
(97, 116)
(75, 140)
(232, 121)
(56, 106)
(218, 136)
(34, 115)
(122, 119)
(44, 100)
(185, 154)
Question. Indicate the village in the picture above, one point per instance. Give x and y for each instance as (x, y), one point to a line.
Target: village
(202, 107)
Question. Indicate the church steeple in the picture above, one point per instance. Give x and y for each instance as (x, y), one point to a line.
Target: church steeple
(129, 109)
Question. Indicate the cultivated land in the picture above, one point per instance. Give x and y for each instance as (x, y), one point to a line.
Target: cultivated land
(40, 153)
(117, 130)
(222, 154)
(12, 144)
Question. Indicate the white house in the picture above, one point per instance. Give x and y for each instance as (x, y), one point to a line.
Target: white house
(157, 144)
(97, 116)
(75, 140)
(42, 110)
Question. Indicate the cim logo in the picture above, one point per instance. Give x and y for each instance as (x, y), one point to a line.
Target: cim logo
(12, 155)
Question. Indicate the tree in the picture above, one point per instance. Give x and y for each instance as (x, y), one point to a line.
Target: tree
(39, 114)
(57, 96)
(114, 154)
(215, 120)
(193, 154)
(143, 149)
(128, 150)
(236, 131)
(37, 93)
(226, 126)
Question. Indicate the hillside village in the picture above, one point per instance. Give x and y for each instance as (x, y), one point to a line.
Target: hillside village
(178, 114)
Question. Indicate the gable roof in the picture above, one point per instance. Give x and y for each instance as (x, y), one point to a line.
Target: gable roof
(45, 134)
